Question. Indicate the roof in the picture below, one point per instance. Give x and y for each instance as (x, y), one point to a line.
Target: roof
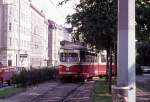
(72, 45)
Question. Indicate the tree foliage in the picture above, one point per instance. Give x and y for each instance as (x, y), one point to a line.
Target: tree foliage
(143, 30)
(142, 34)
(95, 22)
(143, 20)
(143, 56)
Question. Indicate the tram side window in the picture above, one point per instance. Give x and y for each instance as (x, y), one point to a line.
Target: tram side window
(92, 58)
(88, 58)
(95, 59)
(82, 56)
(103, 58)
(113, 59)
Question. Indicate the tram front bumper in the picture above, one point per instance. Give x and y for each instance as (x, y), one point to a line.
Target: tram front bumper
(73, 75)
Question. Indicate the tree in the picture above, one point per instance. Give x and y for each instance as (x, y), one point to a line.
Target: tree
(142, 34)
(143, 53)
(95, 23)
(143, 20)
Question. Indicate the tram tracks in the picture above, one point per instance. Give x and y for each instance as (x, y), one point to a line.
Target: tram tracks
(35, 98)
(82, 93)
(71, 92)
(58, 93)
(55, 92)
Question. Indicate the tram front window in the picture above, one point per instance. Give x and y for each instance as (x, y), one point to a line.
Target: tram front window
(69, 57)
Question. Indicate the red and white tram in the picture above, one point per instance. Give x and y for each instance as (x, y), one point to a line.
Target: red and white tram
(76, 61)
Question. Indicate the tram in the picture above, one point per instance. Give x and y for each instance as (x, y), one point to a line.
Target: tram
(78, 62)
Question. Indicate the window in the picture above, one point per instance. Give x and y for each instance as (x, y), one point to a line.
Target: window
(69, 57)
(10, 26)
(88, 58)
(10, 41)
(82, 56)
(9, 62)
(96, 59)
(103, 58)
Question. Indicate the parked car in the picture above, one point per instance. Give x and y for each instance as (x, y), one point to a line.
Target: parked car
(145, 69)
(6, 73)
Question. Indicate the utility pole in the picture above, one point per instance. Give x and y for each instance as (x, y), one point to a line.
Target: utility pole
(126, 52)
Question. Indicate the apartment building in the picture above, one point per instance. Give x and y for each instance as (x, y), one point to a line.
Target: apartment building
(39, 38)
(23, 34)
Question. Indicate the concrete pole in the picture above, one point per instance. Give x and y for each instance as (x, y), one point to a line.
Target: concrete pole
(126, 47)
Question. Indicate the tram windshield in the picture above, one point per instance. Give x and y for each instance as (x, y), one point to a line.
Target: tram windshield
(69, 57)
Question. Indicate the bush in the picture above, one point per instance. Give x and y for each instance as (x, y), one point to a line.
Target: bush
(34, 76)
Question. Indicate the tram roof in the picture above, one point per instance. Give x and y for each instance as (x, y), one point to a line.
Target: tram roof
(74, 46)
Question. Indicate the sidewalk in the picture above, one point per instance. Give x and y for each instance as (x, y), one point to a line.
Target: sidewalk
(142, 96)
(143, 88)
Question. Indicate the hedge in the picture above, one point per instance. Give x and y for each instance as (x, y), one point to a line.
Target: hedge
(34, 76)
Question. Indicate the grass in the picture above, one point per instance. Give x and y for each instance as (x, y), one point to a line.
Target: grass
(4, 93)
(101, 93)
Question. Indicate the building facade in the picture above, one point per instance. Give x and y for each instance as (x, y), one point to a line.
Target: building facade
(56, 34)
(22, 37)
(39, 38)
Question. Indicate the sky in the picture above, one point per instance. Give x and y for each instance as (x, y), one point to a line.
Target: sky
(54, 12)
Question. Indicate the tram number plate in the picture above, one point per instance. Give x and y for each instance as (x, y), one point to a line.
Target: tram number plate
(67, 72)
